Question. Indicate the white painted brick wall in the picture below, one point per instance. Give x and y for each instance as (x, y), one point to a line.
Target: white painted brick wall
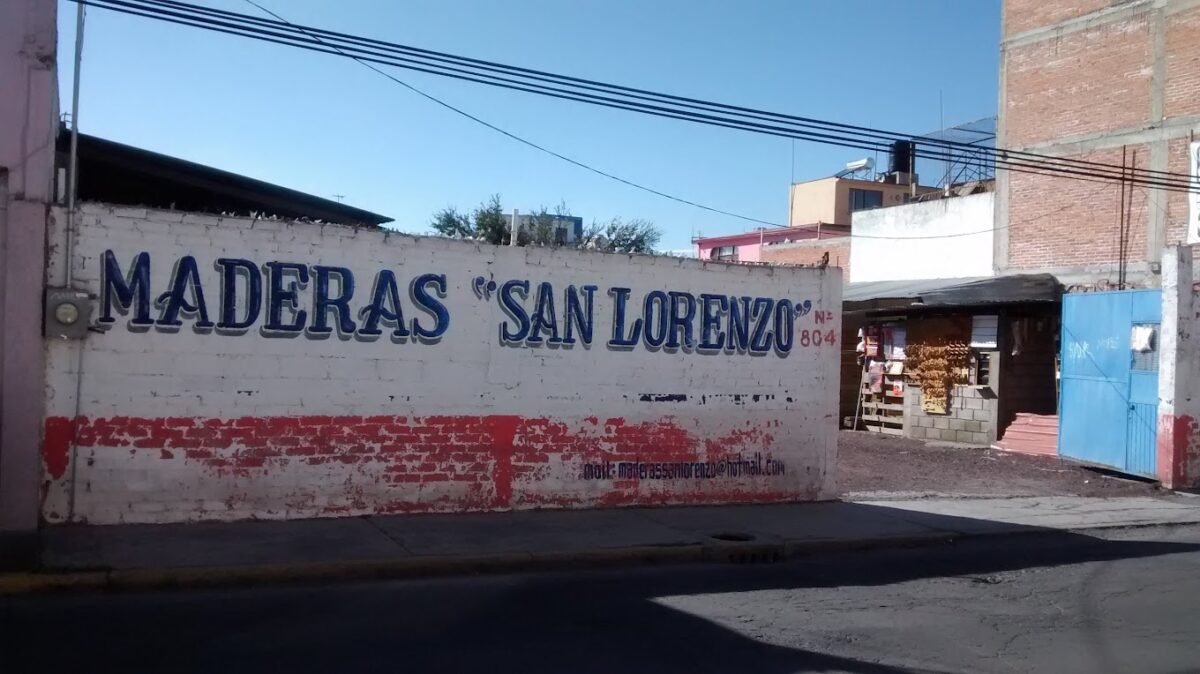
(134, 380)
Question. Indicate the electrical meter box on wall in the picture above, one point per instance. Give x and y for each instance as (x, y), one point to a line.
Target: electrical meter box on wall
(68, 313)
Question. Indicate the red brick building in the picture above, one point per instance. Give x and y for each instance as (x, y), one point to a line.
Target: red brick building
(1093, 80)
(833, 251)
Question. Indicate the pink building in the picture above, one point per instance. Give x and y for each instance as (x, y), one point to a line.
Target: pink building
(28, 119)
(749, 246)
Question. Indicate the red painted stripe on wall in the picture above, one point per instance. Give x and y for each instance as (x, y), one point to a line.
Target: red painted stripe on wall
(493, 462)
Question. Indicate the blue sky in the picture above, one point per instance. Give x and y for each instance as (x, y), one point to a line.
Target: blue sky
(327, 125)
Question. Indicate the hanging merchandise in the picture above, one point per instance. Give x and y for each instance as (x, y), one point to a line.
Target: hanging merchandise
(875, 376)
(1019, 328)
(897, 388)
(896, 345)
(938, 358)
(871, 347)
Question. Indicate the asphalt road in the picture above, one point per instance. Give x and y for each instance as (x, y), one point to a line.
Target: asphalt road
(1127, 603)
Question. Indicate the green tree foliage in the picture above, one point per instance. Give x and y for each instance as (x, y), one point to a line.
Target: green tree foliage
(487, 223)
(623, 236)
(449, 222)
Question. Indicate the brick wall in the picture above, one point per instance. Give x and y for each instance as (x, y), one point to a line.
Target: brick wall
(1174, 204)
(971, 416)
(811, 253)
(1082, 82)
(195, 422)
(1182, 87)
(1060, 222)
(1023, 15)
(1085, 79)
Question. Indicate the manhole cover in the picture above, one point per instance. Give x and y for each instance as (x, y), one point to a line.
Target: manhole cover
(735, 536)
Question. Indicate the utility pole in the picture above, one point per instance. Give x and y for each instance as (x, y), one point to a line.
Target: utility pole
(514, 230)
(73, 160)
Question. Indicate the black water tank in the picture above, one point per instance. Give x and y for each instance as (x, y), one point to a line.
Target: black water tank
(902, 156)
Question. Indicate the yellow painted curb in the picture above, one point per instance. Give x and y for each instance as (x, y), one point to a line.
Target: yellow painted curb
(30, 583)
(446, 566)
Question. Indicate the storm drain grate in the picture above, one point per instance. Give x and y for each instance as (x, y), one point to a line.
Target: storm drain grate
(756, 554)
(733, 536)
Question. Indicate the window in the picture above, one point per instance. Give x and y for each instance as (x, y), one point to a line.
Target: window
(1144, 345)
(861, 200)
(725, 253)
(981, 368)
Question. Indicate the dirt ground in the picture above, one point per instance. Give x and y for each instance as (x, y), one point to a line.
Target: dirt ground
(870, 462)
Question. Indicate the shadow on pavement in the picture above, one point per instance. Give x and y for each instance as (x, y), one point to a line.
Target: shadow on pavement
(599, 621)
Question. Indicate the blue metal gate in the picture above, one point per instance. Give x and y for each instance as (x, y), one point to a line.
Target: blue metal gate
(1108, 402)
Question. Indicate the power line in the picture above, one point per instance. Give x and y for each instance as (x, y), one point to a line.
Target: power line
(413, 55)
(534, 145)
(365, 63)
(282, 32)
(1041, 165)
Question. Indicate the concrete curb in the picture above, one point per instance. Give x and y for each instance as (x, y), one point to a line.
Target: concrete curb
(750, 552)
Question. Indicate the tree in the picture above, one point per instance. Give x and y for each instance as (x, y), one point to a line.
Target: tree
(449, 222)
(619, 236)
(542, 229)
(487, 223)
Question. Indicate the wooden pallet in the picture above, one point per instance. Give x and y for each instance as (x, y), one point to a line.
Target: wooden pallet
(882, 412)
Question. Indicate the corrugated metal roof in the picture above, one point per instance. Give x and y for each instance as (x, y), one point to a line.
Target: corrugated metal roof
(122, 174)
(970, 291)
(899, 290)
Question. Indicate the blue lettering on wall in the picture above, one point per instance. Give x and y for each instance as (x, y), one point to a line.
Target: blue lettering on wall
(231, 270)
(681, 323)
(760, 342)
(579, 315)
(431, 305)
(785, 316)
(385, 294)
(712, 338)
(739, 324)
(284, 280)
(185, 280)
(128, 292)
(619, 340)
(671, 320)
(656, 310)
(544, 319)
(515, 310)
(323, 302)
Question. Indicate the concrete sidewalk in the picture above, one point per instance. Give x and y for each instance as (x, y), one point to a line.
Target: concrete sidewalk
(150, 556)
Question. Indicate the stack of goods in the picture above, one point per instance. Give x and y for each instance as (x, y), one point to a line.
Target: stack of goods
(937, 365)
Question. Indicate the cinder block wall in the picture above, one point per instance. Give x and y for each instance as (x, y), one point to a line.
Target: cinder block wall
(971, 417)
(192, 423)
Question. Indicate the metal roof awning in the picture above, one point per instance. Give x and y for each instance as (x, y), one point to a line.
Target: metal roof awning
(115, 173)
(956, 292)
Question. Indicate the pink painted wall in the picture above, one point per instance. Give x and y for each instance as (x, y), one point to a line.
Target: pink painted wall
(28, 115)
(750, 245)
(28, 108)
(746, 253)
